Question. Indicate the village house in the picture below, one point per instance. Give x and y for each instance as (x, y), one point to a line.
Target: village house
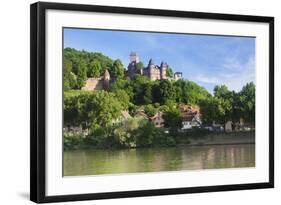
(190, 116)
(123, 117)
(75, 130)
(141, 115)
(158, 120)
(228, 126)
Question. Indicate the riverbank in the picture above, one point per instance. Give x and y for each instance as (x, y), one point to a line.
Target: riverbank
(191, 138)
(222, 139)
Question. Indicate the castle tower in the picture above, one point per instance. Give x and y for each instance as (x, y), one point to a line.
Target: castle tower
(177, 75)
(106, 80)
(163, 70)
(151, 67)
(133, 57)
(132, 67)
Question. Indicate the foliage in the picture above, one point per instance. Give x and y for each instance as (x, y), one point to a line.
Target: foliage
(99, 112)
(169, 72)
(72, 141)
(140, 65)
(117, 69)
(91, 109)
(82, 65)
(94, 69)
(172, 118)
(69, 78)
(150, 110)
(229, 105)
(123, 98)
(81, 74)
(247, 100)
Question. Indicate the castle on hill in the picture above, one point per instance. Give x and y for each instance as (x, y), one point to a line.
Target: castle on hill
(152, 71)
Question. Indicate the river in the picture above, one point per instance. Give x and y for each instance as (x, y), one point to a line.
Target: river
(93, 162)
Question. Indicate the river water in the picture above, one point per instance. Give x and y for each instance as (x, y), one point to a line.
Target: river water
(93, 162)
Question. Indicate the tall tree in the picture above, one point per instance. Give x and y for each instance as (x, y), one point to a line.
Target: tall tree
(169, 72)
(172, 118)
(69, 78)
(140, 65)
(81, 74)
(226, 98)
(117, 69)
(247, 99)
(167, 91)
(94, 69)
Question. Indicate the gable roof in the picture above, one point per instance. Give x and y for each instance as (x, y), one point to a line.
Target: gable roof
(125, 114)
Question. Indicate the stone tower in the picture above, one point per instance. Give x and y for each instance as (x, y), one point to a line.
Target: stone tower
(106, 80)
(132, 67)
(151, 68)
(134, 58)
(163, 70)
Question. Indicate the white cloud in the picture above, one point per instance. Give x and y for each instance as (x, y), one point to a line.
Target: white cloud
(233, 74)
(206, 79)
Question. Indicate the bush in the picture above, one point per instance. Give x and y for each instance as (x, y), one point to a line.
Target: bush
(72, 141)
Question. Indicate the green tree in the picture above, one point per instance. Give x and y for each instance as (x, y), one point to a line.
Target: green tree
(247, 100)
(211, 110)
(92, 109)
(142, 90)
(222, 92)
(121, 84)
(169, 72)
(66, 73)
(75, 57)
(140, 65)
(226, 98)
(123, 98)
(94, 69)
(166, 91)
(69, 78)
(117, 69)
(172, 118)
(81, 74)
(145, 134)
(150, 110)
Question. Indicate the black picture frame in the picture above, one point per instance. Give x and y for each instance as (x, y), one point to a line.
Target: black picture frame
(38, 101)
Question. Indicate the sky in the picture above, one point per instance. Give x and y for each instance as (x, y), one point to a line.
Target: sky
(208, 60)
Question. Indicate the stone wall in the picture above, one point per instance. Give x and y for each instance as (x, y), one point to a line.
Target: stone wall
(94, 84)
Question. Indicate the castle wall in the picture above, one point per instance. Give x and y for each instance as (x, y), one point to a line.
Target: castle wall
(94, 84)
(154, 73)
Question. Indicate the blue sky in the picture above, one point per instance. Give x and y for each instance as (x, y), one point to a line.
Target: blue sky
(205, 59)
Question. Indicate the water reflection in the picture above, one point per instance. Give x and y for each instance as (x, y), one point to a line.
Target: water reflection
(92, 162)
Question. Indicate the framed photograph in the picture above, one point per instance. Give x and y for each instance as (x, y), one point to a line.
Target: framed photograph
(129, 102)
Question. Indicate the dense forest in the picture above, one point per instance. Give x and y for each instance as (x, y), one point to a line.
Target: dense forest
(96, 110)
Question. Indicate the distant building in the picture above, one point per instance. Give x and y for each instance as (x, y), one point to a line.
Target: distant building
(75, 130)
(123, 117)
(155, 72)
(217, 127)
(177, 75)
(152, 71)
(158, 120)
(228, 126)
(102, 83)
(141, 115)
(190, 116)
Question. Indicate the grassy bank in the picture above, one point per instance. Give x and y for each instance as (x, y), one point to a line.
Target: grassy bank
(160, 139)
